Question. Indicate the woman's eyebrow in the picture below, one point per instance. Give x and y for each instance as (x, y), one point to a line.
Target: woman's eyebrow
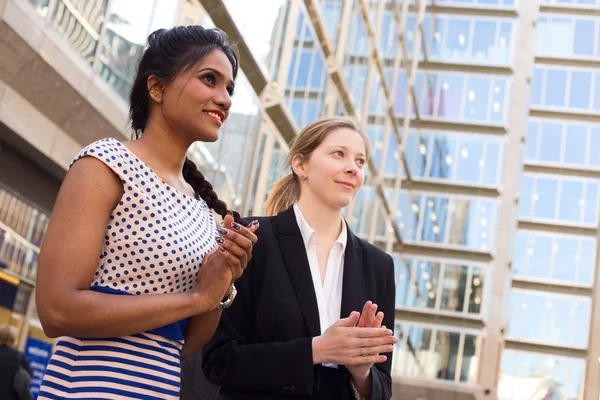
(216, 72)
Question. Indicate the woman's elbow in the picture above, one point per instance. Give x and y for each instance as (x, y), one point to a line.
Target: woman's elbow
(54, 319)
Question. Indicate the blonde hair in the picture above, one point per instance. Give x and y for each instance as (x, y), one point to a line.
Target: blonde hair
(286, 191)
(8, 335)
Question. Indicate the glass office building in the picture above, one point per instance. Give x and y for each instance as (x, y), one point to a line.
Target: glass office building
(483, 117)
(484, 120)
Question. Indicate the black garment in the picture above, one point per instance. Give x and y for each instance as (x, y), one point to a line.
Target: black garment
(194, 385)
(10, 359)
(262, 348)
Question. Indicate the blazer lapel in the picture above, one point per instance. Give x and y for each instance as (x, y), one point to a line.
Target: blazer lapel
(296, 262)
(352, 290)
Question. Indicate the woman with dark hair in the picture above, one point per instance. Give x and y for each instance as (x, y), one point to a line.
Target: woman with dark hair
(132, 250)
(310, 321)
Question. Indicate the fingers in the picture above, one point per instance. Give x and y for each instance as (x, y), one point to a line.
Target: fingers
(371, 332)
(376, 350)
(371, 316)
(233, 262)
(246, 232)
(375, 342)
(367, 359)
(350, 321)
(378, 320)
(238, 241)
(235, 250)
(363, 315)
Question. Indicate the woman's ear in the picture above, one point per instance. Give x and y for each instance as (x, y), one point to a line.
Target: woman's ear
(155, 88)
(298, 166)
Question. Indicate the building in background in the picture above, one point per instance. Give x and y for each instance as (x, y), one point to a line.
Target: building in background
(484, 119)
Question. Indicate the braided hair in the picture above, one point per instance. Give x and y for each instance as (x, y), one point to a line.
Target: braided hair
(170, 52)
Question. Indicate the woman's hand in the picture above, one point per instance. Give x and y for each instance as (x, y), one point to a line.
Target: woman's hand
(226, 262)
(361, 373)
(346, 344)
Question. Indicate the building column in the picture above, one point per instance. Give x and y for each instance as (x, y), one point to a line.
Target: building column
(492, 334)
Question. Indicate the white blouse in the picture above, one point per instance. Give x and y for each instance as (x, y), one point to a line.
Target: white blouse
(328, 293)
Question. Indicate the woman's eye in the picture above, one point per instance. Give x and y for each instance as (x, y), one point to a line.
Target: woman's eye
(339, 153)
(361, 161)
(210, 79)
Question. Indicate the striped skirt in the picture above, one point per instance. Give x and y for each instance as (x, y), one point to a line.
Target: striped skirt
(141, 366)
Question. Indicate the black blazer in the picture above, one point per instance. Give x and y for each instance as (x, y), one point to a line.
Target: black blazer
(262, 348)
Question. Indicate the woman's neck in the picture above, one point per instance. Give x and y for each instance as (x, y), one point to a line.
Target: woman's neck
(165, 152)
(326, 221)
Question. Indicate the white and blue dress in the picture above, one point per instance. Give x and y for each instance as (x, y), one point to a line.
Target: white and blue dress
(154, 243)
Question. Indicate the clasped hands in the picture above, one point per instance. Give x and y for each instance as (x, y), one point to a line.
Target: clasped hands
(355, 342)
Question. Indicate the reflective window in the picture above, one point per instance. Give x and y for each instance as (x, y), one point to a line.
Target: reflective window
(463, 39)
(549, 318)
(455, 157)
(362, 211)
(561, 199)
(429, 352)
(550, 141)
(455, 221)
(565, 88)
(453, 287)
(553, 257)
(460, 96)
(564, 36)
(332, 13)
(527, 375)
(572, 3)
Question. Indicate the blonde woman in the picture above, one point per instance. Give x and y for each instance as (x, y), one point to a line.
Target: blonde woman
(11, 362)
(305, 324)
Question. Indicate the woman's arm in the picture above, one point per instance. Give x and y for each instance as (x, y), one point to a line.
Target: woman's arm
(377, 382)
(201, 328)
(68, 260)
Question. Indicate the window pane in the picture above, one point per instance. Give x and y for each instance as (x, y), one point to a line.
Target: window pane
(581, 82)
(556, 84)
(591, 203)
(545, 201)
(597, 91)
(526, 198)
(587, 261)
(483, 42)
(531, 141)
(565, 250)
(576, 142)
(498, 100)
(458, 35)
(571, 201)
(451, 96)
(444, 149)
(551, 142)
(594, 148)
(492, 173)
(584, 37)
(536, 86)
(453, 287)
(476, 290)
(478, 92)
(445, 354)
(470, 153)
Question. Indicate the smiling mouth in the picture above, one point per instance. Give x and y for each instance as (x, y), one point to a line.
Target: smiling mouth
(215, 116)
(346, 185)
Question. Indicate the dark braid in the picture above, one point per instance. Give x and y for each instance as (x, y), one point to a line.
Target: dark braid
(170, 52)
(203, 187)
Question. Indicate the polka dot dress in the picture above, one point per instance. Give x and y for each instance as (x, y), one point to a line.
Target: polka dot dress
(154, 243)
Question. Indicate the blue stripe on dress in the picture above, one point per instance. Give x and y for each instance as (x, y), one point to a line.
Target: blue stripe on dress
(115, 349)
(120, 381)
(95, 390)
(89, 368)
(119, 360)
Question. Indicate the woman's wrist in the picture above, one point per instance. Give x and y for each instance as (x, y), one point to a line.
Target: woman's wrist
(316, 350)
(361, 382)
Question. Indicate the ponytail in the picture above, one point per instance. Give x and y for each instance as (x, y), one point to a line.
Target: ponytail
(203, 187)
(284, 194)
